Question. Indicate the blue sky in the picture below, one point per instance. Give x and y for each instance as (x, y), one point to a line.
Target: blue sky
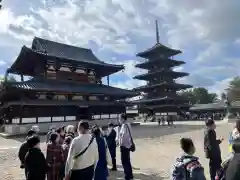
(207, 32)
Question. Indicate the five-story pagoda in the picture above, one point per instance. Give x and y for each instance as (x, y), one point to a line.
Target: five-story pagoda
(160, 91)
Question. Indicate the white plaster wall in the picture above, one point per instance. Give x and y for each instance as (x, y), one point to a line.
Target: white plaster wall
(16, 129)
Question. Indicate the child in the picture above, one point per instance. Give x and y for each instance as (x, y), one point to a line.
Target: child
(35, 162)
(187, 166)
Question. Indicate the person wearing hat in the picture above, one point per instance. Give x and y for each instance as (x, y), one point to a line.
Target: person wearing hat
(24, 149)
(35, 128)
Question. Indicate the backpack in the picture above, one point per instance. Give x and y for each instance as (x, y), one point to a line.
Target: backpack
(190, 167)
(186, 170)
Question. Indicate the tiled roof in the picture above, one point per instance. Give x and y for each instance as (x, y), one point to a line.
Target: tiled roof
(64, 51)
(161, 72)
(153, 100)
(57, 86)
(34, 57)
(210, 106)
(158, 48)
(165, 84)
(166, 61)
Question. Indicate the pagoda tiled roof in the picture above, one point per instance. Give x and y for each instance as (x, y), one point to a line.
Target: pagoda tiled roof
(71, 87)
(161, 106)
(149, 63)
(43, 51)
(164, 84)
(159, 48)
(159, 99)
(171, 73)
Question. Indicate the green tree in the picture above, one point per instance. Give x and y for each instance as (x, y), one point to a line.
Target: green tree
(9, 79)
(199, 96)
(223, 96)
(233, 91)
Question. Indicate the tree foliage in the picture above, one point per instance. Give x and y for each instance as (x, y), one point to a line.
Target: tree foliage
(233, 91)
(199, 96)
(9, 79)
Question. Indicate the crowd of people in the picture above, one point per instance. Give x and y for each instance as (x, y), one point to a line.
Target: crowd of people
(88, 153)
(78, 153)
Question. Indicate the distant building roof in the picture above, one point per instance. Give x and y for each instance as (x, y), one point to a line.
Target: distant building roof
(210, 106)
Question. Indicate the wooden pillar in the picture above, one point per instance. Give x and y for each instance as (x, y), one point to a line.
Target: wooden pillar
(22, 78)
(21, 114)
(6, 75)
(108, 80)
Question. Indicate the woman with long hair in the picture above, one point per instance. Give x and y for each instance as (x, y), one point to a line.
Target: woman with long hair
(54, 158)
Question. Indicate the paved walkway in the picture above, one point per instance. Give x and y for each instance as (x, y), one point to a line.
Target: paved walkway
(157, 148)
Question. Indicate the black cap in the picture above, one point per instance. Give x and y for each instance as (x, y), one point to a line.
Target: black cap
(110, 125)
(31, 132)
(209, 122)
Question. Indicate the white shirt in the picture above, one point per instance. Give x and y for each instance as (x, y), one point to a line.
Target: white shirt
(125, 136)
(89, 158)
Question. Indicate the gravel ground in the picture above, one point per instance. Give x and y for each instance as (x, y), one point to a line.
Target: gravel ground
(157, 148)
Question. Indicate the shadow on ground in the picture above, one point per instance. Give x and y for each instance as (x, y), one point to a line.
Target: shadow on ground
(119, 175)
(155, 131)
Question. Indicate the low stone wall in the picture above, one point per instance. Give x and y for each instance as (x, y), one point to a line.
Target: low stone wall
(16, 129)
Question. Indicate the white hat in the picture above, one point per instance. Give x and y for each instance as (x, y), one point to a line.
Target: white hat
(35, 128)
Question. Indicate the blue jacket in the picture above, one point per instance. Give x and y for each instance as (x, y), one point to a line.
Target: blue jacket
(188, 167)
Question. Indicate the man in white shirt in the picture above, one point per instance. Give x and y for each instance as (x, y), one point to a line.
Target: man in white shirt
(125, 142)
(82, 156)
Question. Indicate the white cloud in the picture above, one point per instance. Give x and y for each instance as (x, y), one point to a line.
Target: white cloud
(2, 63)
(209, 28)
(220, 86)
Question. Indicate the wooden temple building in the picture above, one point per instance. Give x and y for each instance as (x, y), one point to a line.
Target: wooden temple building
(160, 91)
(65, 85)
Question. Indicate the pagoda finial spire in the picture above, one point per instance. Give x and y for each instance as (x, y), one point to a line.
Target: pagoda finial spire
(157, 31)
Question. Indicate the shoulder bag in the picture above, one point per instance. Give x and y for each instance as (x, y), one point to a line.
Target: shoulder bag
(85, 149)
(133, 147)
